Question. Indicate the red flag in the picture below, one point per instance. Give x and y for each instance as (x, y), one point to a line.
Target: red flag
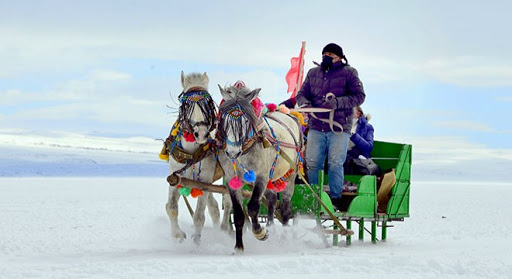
(296, 72)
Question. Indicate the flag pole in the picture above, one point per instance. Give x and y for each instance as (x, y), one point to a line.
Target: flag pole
(301, 69)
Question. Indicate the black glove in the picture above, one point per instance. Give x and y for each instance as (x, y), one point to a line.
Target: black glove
(330, 103)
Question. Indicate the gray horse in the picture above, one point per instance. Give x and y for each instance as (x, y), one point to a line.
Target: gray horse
(189, 146)
(260, 150)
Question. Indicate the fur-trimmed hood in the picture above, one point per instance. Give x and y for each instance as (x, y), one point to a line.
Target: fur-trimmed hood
(365, 118)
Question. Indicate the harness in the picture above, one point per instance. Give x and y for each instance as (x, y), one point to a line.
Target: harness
(285, 144)
(267, 138)
(194, 96)
(181, 156)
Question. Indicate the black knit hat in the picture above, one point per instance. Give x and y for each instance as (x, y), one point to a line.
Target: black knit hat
(334, 48)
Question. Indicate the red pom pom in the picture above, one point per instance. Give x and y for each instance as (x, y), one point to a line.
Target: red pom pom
(235, 183)
(196, 192)
(278, 187)
(271, 107)
(189, 137)
(270, 185)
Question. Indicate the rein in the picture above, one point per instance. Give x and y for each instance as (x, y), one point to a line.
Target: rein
(330, 120)
(284, 144)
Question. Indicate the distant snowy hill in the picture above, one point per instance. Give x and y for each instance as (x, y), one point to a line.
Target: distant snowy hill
(79, 155)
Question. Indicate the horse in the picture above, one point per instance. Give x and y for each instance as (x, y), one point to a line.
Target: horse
(189, 147)
(260, 150)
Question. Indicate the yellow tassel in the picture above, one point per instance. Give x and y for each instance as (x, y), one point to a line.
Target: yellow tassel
(299, 116)
(175, 129)
(164, 157)
(164, 153)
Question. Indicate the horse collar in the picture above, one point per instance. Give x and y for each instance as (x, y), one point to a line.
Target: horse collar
(181, 155)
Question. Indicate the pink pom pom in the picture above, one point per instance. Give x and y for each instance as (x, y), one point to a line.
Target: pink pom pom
(278, 187)
(235, 183)
(271, 106)
(258, 105)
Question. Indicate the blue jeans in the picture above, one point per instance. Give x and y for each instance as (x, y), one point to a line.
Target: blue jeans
(335, 147)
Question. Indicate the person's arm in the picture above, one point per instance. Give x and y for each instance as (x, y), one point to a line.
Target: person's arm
(304, 95)
(356, 95)
(364, 144)
(289, 103)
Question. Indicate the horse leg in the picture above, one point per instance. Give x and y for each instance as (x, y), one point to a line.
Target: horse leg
(253, 208)
(228, 205)
(239, 221)
(172, 211)
(199, 217)
(213, 209)
(271, 198)
(286, 202)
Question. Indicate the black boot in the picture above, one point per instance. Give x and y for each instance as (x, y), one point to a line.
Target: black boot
(336, 203)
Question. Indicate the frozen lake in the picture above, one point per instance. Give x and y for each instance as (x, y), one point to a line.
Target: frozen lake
(117, 227)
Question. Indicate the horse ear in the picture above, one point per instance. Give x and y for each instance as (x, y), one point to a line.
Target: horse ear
(225, 95)
(253, 94)
(205, 80)
(182, 79)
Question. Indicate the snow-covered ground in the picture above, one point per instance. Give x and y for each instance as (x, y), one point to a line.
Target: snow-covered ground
(74, 211)
(117, 228)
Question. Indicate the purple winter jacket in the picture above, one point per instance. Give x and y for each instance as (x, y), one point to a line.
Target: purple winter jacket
(343, 81)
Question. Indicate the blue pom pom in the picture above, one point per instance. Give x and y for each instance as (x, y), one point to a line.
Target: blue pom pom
(250, 176)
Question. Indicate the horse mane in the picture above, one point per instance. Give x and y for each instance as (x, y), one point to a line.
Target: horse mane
(194, 81)
(233, 111)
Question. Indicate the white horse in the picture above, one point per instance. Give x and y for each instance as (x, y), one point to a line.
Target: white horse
(190, 154)
(263, 151)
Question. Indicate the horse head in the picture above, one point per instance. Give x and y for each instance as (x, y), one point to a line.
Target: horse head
(238, 119)
(197, 108)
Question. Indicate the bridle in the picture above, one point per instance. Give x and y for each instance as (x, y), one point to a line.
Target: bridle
(191, 98)
(235, 117)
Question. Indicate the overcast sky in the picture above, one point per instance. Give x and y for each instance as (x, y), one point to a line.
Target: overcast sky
(432, 70)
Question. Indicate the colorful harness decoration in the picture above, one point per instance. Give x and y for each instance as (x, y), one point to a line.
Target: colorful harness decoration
(233, 115)
(173, 147)
(278, 185)
(236, 112)
(194, 96)
(207, 106)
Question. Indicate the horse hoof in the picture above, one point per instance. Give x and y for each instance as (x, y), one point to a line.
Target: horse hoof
(262, 234)
(196, 238)
(226, 228)
(179, 236)
(238, 251)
